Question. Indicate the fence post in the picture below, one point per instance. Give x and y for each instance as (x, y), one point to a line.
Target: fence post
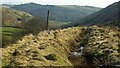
(47, 20)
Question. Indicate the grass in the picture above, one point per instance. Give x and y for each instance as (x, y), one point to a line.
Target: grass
(10, 34)
(9, 29)
(56, 48)
(0, 62)
(56, 24)
(55, 52)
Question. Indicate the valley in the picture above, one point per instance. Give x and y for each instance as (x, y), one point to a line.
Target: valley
(67, 36)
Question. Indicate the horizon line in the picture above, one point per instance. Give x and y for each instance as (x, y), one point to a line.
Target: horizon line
(20, 3)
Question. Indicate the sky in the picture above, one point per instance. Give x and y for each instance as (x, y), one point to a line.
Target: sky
(96, 3)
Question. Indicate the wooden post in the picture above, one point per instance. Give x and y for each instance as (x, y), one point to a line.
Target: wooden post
(47, 20)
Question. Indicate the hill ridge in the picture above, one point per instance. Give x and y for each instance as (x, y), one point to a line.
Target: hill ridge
(108, 15)
(57, 13)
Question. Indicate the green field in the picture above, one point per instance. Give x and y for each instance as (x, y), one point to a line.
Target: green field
(10, 34)
(56, 24)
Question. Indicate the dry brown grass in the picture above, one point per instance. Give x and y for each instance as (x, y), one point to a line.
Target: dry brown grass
(99, 43)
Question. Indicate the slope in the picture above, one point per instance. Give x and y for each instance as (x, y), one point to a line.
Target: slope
(12, 17)
(12, 23)
(74, 46)
(110, 14)
(58, 13)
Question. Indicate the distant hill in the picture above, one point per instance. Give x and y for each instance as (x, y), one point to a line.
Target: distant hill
(8, 5)
(108, 15)
(62, 13)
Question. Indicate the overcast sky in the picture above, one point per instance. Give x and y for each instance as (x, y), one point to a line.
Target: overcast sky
(97, 3)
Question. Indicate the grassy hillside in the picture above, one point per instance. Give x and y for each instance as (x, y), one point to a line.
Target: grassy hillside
(53, 49)
(108, 15)
(74, 46)
(58, 13)
(17, 23)
(56, 25)
(12, 17)
(12, 24)
(10, 35)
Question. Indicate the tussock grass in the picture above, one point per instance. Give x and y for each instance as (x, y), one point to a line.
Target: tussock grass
(56, 47)
(30, 48)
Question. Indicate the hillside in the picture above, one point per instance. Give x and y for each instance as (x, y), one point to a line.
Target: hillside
(12, 23)
(110, 14)
(65, 13)
(16, 23)
(74, 46)
(12, 17)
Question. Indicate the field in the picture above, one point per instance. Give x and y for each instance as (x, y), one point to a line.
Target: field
(10, 34)
(56, 24)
